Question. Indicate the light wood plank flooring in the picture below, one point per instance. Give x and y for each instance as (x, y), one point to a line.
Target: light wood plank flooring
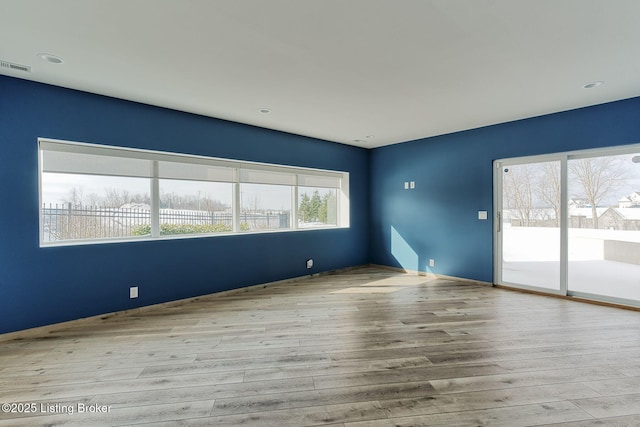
(366, 347)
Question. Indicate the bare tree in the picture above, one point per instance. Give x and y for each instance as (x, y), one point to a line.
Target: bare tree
(75, 196)
(518, 191)
(598, 177)
(549, 188)
(212, 205)
(115, 198)
(253, 202)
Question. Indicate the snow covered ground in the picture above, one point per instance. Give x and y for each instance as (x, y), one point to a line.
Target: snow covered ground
(531, 256)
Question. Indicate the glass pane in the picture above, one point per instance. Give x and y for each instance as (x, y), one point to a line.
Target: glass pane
(93, 207)
(604, 226)
(265, 207)
(531, 228)
(195, 207)
(317, 207)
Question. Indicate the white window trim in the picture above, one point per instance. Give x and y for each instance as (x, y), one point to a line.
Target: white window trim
(341, 178)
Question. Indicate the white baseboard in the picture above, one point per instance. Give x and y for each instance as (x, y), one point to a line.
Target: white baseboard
(39, 331)
(433, 275)
(48, 329)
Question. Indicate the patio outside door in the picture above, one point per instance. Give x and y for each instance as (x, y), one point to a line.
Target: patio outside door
(604, 227)
(530, 224)
(569, 224)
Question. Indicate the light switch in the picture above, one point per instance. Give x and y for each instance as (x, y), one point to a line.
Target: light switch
(406, 185)
(412, 185)
(482, 215)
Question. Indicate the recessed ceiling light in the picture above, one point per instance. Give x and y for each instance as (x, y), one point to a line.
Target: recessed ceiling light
(593, 84)
(265, 110)
(359, 141)
(50, 58)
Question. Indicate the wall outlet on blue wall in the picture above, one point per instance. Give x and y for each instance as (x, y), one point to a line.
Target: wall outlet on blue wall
(432, 263)
(309, 263)
(133, 292)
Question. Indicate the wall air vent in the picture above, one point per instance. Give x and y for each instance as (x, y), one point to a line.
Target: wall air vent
(15, 67)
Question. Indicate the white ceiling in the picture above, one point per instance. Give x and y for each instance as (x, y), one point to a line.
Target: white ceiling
(375, 71)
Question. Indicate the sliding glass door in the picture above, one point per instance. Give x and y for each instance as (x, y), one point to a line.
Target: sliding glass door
(531, 224)
(569, 224)
(604, 226)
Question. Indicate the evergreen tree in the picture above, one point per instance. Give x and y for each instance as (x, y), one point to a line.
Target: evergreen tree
(316, 202)
(304, 210)
(323, 209)
(317, 208)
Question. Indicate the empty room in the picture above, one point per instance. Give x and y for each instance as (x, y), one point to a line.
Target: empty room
(301, 213)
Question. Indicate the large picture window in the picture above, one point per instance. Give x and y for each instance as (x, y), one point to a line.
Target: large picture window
(93, 193)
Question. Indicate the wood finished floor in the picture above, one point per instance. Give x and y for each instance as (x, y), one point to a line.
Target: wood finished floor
(367, 347)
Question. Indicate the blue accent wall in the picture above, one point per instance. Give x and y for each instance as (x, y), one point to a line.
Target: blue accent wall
(40, 286)
(389, 225)
(454, 180)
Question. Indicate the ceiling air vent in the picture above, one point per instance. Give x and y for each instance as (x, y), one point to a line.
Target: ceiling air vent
(16, 67)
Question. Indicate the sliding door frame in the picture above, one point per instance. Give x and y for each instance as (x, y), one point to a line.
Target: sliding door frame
(564, 159)
(498, 166)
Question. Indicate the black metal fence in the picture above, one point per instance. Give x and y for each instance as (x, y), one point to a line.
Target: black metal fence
(67, 222)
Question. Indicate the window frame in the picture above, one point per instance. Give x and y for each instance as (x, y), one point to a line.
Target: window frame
(270, 173)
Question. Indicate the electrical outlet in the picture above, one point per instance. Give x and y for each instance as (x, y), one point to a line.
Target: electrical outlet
(133, 292)
(432, 263)
(412, 185)
(309, 263)
(406, 185)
